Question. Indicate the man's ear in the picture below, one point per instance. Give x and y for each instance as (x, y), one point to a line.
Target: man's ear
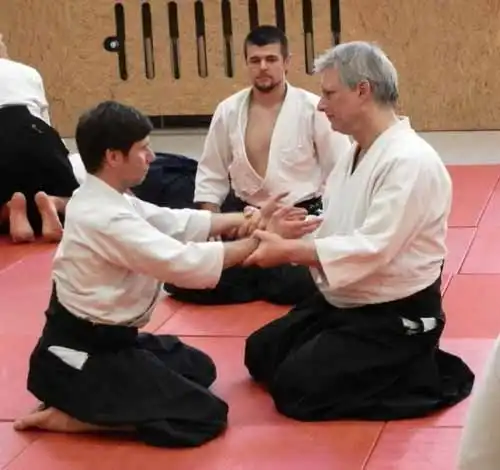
(286, 63)
(113, 157)
(364, 89)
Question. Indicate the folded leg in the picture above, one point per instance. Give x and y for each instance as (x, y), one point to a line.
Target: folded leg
(187, 361)
(269, 346)
(369, 369)
(153, 387)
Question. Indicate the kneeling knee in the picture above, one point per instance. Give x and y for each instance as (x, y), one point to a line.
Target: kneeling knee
(289, 395)
(256, 357)
(297, 397)
(203, 367)
(209, 369)
(215, 421)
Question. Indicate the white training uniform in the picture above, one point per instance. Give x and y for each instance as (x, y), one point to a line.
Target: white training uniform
(117, 251)
(21, 84)
(303, 151)
(384, 231)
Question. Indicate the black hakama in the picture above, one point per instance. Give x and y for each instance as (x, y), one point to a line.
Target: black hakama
(33, 158)
(324, 363)
(170, 182)
(154, 383)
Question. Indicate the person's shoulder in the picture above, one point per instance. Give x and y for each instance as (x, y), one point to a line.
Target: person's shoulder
(415, 149)
(20, 68)
(81, 209)
(232, 100)
(417, 158)
(226, 109)
(308, 97)
(89, 211)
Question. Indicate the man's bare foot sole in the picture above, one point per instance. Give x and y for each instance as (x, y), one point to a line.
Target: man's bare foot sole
(51, 225)
(51, 419)
(19, 226)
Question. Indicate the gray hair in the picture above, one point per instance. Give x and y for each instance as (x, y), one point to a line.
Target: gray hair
(358, 61)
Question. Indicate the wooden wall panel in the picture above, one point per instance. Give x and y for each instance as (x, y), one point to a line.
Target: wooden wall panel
(304, 46)
(64, 41)
(58, 40)
(446, 53)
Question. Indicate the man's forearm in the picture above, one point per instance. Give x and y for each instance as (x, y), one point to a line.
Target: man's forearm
(238, 251)
(223, 223)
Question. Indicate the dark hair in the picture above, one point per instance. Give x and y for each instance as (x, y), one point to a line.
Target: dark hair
(109, 126)
(264, 35)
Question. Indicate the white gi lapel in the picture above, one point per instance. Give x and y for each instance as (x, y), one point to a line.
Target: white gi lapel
(288, 136)
(343, 186)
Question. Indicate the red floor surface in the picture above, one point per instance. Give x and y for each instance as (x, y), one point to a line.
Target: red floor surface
(258, 437)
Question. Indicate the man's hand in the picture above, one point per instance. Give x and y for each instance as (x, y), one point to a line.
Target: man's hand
(287, 221)
(258, 218)
(272, 250)
(291, 222)
(270, 207)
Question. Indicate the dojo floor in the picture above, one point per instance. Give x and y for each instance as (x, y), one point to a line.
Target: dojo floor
(257, 437)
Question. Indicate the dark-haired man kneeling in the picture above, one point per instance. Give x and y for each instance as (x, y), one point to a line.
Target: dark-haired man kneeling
(92, 369)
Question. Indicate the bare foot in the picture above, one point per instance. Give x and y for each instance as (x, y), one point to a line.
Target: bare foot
(19, 225)
(39, 407)
(51, 419)
(51, 225)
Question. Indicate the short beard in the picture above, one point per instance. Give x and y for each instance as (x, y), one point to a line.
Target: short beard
(266, 88)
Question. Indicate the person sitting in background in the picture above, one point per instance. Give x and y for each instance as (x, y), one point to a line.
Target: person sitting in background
(36, 176)
(263, 140)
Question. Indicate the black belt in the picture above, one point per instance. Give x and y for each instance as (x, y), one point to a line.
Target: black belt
(314, 206)
(233, 203)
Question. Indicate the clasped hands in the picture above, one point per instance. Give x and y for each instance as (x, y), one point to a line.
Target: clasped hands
(274, 225)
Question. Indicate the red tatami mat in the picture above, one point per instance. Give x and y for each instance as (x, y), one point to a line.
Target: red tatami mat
(12, 443)
(472, 306)
(10, 254)
(406, 447)
(290, 446)
(251, 405)
(222, 320)
(484, 256)
(25, 293)
(491, 216)
(257, 436)
(15, 400)
(473, 187)
(458, 242)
